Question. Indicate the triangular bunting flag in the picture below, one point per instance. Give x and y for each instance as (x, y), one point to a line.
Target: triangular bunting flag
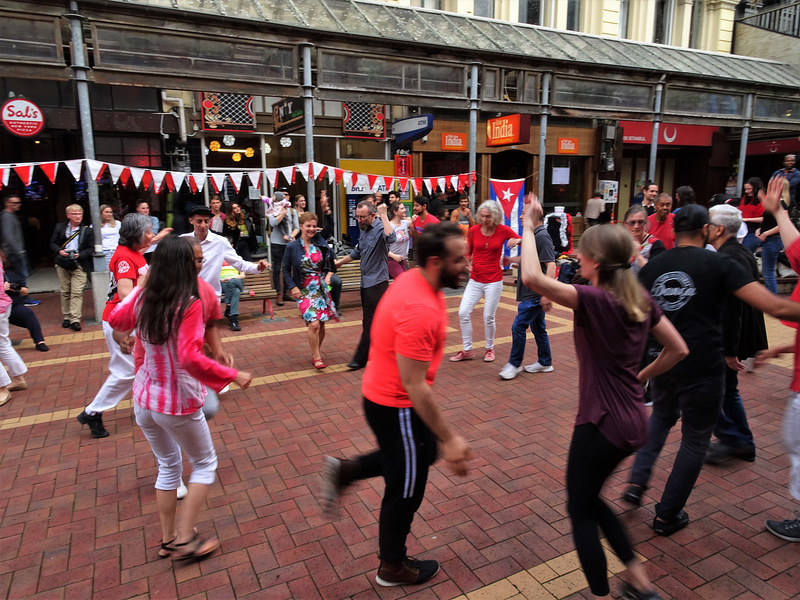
(403, 183)
(25, 172)
(136, 175)
(416, 183)
(116, 171)
(95, 168)
(158, 179)
(168, 182)
(302, 170)
(218, 181)
(355, 179)
(199, 181)
(337, 175)
(125, 176)
(371, 179)
(255, 178)
(178, 177)
(74, 167)
(319, 170)
(49, 170)
(388, 183)
(192, 185)
(433, 183)
(3, 177)
(288, 173)
(474, 176)
(454, 182)
(147, 179)
(442, 183)
(272, 177)
(236, 180)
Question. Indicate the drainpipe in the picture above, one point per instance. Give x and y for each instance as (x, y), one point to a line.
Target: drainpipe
(99, 275)
(543, 133)
(308, 114)
(473, 130)
(181, 115)
(748, 115)
(651, 168)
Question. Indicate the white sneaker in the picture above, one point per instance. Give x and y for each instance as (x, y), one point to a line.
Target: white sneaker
(537, 368)
(509, 371)
(182, 490)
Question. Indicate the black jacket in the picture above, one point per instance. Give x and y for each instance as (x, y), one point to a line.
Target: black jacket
(85, 244)
(293, 258)
(233, 234)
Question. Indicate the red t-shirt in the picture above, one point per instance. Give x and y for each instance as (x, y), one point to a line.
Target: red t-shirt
(420, 225)
(124, 264)
(487, 251)
(793, 254)
(663, 231)
(411, 320)
(751, 211)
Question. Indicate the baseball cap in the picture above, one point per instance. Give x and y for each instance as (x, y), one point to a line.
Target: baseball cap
(691, 218)
(200, 209)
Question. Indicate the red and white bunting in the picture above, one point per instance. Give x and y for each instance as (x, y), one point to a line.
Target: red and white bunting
(95, 167)
(354, 179)
(147, 179)
(178, 177)
(454, 182)
(125, 176)
(442, 183)
(115, 171)
(255, 178)
(416, 183)
(3, 176)
(218, 181)
(50, 170)
(158, 179)
(169, 182)
(25, 173)
(302, 170)
(272, 177)
(388, 183)
(319, 170)
(372, 180)
(433, 184)
(74, 167)
(335, 175)
(288, 173)
(474, 176)
(136, 175)
(403, 183)
(236, 180)
(429, 184)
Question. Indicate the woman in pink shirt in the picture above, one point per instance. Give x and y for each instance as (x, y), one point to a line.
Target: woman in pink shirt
(168, 389)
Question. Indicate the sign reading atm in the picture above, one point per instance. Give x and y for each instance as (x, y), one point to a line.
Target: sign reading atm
(508, 130)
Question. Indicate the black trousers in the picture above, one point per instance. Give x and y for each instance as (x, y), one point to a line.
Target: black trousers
(370, 296)
(22, 316)
(277, 269)
(407, 449)
(336, 290)
(592, 458)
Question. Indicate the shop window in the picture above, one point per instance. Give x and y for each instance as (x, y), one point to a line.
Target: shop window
(489, 87)
(530, 11)
(697, 102)
(564, 183)
(29, 38)
(586, 92)
(510, 86)
(662, 31)
(100, 97)
(432, 4)
(41, 91)
(573, 15)
(777, 109)
(144, 152)
(483, 8)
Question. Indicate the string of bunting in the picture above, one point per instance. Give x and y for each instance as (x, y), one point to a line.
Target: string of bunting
(173, 180)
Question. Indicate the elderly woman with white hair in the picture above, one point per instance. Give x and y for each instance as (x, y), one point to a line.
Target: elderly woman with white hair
(485, 241)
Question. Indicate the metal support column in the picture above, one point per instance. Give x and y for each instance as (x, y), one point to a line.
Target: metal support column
(748, 115)
(308, 114)
(99, 275)
(543, 134)
(204, 166)
(473, 130)
(651, 167)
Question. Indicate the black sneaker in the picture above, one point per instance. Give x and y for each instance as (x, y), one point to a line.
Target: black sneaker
(233, 323)
(95, 423)
(633, 494)
(409, 571)
(65, 323)
(631, 593)
(669, 526)
(788, 530)
(718, 453)
(75, 326)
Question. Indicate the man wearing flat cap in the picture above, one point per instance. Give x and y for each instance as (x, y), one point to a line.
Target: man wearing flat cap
(691, 284)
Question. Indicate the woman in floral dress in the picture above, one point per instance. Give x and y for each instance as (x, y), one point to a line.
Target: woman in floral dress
(307, 269)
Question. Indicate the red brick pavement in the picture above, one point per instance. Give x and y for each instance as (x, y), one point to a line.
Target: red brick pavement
(78, 516)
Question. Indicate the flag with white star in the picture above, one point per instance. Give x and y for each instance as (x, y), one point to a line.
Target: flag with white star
(509, 193)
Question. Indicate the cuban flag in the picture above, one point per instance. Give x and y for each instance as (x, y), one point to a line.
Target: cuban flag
(510, 194)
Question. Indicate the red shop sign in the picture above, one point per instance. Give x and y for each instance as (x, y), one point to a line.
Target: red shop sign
(669, 134)
(22, 117)
(508, 130)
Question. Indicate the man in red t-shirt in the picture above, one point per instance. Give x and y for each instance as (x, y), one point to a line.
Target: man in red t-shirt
(661, 222)
(422, 218)
(400, 405)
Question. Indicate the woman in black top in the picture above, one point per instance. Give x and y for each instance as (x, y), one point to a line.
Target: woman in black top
(239, 229)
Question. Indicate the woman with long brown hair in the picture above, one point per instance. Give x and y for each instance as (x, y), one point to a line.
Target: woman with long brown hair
(239, 229)
(613, 317)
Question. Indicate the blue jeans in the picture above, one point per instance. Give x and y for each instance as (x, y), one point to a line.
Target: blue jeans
(751, 242)
(529, 314)
(697, 401)
(232, 290)
(732, 428)
(770, 248)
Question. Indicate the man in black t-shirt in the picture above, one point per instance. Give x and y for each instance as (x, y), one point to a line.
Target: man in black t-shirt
(690, 284)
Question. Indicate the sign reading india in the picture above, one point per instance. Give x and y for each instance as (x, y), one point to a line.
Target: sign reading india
(454, 141)
(508, 130)
(567, 145)
(22, 117)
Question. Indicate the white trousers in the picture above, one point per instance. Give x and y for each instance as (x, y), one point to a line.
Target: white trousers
(119, 382)
(168, 435)
(9, 356)
(472, 293)
(791, 437)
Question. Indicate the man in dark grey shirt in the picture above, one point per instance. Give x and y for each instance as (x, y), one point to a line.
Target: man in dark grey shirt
(13, 244)
(372, 249)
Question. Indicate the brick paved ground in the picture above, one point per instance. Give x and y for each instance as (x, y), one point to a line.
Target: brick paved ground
(78, 516)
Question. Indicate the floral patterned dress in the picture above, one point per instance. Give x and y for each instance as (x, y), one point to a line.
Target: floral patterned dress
(315, 303)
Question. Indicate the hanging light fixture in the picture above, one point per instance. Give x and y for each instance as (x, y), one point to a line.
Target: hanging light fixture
(249, 152)
(229, 140)
(236, 157)
(285, 142)
(214, 146)
(267, 148)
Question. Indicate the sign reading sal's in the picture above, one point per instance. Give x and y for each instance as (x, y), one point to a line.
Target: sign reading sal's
(508, 130)
(22, 117)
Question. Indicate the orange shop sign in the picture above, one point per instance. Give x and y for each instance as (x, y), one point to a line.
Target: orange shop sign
(508, 130)
(567, 146)
(454, 141)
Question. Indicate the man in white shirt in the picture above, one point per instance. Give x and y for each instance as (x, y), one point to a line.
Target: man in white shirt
(217, 249)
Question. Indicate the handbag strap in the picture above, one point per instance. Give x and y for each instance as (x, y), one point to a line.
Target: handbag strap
(70, 238)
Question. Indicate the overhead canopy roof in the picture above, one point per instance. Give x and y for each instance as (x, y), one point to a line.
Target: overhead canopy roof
(456, 31)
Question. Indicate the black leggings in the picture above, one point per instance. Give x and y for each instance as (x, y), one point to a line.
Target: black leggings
(592, 458)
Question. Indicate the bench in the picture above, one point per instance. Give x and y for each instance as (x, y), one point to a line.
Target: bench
(259, 286)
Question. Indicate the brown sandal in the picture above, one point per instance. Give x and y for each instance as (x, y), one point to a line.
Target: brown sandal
(194, 548)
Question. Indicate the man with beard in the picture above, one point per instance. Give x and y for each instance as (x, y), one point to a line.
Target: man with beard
(690, 284)
(400, 405)
(372, 249)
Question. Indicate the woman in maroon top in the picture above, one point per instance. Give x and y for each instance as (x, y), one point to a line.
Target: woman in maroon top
(484, 251)
(613, 317)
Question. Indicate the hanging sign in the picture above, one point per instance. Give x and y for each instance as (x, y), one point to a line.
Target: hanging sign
(508, 130)
(227, 112)
(22, 117)
(454, 141)
(287, 115)
(412, 128)
(402, 165)
(364, 120)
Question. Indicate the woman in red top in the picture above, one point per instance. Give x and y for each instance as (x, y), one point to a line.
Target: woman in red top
(752, 212)
(484, 251)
